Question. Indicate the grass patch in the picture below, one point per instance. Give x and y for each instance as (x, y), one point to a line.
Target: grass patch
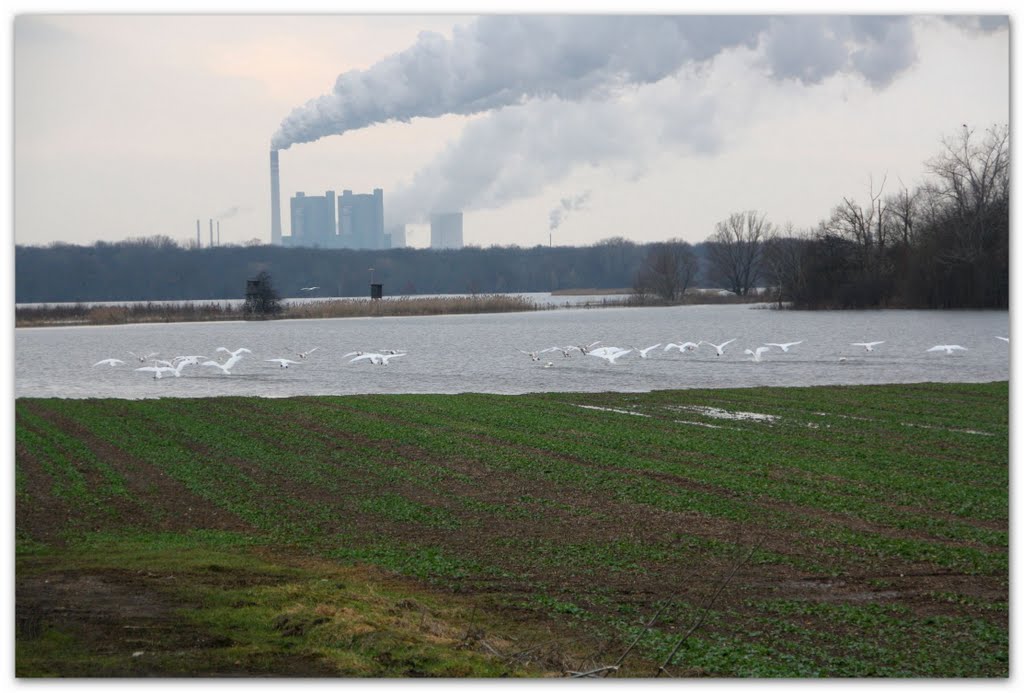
(203, 604)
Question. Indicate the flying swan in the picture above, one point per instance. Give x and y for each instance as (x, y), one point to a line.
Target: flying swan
(784, 347)
(377, 359)
(870, 346)
(109, 362)
(948, 348)
(284, 363)
(718, 347)
(756, 354)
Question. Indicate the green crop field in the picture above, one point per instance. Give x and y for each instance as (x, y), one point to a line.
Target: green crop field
(764, 532)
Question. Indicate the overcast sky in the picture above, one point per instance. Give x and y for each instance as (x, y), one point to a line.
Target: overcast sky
(574, 126)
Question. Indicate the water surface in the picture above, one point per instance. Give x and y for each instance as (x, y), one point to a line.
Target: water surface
(480, 353)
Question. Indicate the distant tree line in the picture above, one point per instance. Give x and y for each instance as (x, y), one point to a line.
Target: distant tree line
(944, 244)
(157, 268)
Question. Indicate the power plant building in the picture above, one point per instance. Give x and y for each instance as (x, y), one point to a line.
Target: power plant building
(328, 221)
(446, 230)
(361, 220)
(313, 220)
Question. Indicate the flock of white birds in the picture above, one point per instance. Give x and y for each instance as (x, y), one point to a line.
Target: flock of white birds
(175, 366)
(612, 354)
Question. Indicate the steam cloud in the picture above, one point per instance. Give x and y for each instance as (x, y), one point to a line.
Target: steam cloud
(231, 211)
(568, 204)
(560, 91)
(499, 61)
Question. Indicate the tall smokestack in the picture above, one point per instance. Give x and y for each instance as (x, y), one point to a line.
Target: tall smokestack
(218, 232)
(211, 233)
(275, 200)
(199, 243)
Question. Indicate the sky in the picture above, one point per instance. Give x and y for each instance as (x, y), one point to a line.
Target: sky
(563, 129)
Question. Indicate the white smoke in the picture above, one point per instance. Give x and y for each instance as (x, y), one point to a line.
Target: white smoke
(566, 205)
(567, 91)
(231, 211)
(516, 152)
(499, 61)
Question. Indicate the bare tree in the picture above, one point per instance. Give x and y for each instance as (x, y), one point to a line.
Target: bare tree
(735, 249)
(903, 210)
(641, 287)
(866, 226)
(973, 179)
(785, 263)
(668, 269)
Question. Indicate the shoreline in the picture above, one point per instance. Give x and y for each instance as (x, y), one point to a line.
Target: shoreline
(86, 315)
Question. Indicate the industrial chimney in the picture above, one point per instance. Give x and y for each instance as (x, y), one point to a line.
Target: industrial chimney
(218, 232)
(275, 200)
(199, 243)
(211, 233)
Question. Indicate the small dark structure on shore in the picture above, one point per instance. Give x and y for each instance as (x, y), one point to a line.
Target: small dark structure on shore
(376, 290)
(261, 300)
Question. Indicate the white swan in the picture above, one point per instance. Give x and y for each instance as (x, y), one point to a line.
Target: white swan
(227, 365)
(305, 354)
(377, 359)
(142, 359)
(610, 355)
(784, 347)
(870, 346)
(109, 362)
(643, 352)
(236, 352)
(352, 353)
(186, 360)
(534, 355)
(158, 371)
(585, 349)
(309, 288)
(223, 366)
(684, 346)
(284, 363)
(948, 348)
(756, 354)
(718, 347)
(1005, 339)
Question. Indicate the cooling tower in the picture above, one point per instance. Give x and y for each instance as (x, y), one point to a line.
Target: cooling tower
(275, 200)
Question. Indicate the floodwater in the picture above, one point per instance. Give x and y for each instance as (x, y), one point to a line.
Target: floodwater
(480, 353)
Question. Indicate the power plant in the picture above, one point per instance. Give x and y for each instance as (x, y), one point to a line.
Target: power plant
(347, 221)
(446, 230)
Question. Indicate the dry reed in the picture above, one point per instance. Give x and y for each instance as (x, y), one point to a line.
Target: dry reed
(84, 314)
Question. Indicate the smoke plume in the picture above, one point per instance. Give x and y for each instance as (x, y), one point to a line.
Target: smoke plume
(231, 211)
(498, 61)
(568, 204)
(558, 92)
